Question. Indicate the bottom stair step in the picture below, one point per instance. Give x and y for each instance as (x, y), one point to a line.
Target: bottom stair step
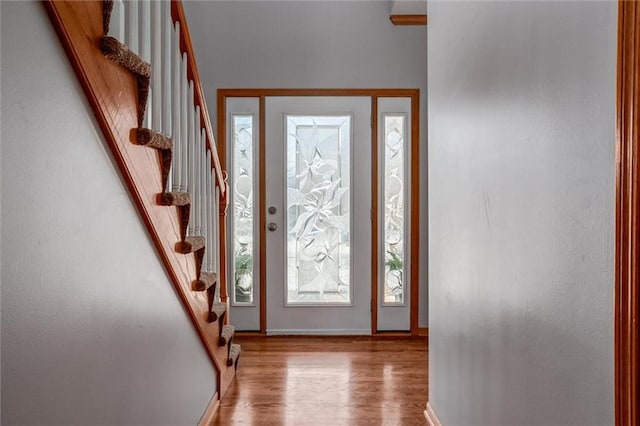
(234, 356)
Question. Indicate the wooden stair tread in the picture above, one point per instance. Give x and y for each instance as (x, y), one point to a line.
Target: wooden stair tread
(190, 245)
(218, 310)
(226, 335)
(121, 55)
(179, 199)
(148, 137)
(204, 281)
(182, 200)
(163, 144)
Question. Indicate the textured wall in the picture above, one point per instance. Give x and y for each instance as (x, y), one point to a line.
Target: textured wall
(521, 217)
(311, 44)
(92, 330)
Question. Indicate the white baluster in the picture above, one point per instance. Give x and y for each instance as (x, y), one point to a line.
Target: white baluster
(116, 25)
(203, 198)
(196, 175)
(209, 210)
(167, 55)
(183, 123)
(144, 29)
(156, 65)
(176, 106)
(167, 95)
(216, 223)
(203, 185)
(191, 147)
(131, 30)
(144, 38)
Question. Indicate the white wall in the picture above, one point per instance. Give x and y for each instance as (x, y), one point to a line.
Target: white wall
(93, 332)
(521, 211)
(311, 44)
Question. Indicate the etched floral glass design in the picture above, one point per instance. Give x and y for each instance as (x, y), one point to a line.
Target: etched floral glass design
(318, 209)
(394, 203)
(243, 190)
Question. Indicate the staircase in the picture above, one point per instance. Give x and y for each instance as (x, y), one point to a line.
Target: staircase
(135, 62)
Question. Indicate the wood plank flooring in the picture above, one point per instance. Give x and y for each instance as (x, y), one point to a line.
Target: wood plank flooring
(328, 381)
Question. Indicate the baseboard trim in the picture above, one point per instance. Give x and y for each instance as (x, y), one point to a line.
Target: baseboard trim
(319, 332)
(431, 416)
(210, 413)
(423, 331)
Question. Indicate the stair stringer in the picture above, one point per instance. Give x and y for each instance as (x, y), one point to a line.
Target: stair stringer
(112, 92)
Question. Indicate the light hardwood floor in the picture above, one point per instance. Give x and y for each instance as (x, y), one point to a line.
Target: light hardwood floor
(327, 381)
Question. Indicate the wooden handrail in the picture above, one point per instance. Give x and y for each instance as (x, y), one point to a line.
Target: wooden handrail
(178, 15)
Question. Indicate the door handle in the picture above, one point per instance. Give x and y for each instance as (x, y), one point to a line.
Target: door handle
(272, 227)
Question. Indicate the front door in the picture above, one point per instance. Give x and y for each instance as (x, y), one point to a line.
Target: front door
(318, 202)
(322, 189)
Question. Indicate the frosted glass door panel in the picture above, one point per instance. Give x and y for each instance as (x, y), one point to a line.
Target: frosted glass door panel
(243, 190)
(394, 179)
(318, 214)
(394, 190)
